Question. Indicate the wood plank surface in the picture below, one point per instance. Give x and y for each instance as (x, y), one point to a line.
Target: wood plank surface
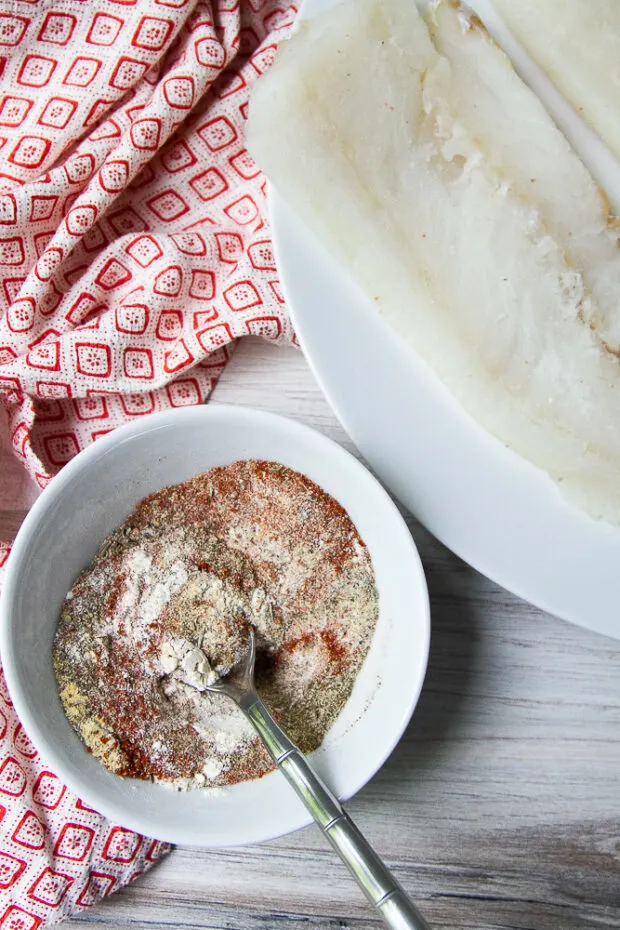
(499, 809)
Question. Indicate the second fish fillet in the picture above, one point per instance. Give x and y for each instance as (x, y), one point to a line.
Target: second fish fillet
(412, 148)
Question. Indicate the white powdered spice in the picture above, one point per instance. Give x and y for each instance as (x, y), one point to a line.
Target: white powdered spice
(165, 610)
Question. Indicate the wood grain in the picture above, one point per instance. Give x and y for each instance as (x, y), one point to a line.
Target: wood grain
(499, 808)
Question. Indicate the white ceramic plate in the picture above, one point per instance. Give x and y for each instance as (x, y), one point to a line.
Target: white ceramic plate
(499, 513)
(91, 496)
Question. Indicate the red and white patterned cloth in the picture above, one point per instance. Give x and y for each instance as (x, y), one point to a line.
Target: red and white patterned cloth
(133, 250)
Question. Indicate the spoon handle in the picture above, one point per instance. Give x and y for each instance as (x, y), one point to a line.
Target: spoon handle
(374, 878)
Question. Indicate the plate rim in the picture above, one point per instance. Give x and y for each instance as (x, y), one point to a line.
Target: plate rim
(282, 215)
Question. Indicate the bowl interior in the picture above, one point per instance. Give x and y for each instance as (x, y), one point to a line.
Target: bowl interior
(90, 497)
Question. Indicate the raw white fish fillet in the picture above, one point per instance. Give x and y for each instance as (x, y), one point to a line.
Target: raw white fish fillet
(415, 151)
(577, 42)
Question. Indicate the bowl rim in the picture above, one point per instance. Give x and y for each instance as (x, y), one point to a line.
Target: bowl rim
(46, 747)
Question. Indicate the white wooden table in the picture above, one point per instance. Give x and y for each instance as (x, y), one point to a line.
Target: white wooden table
(500, 808)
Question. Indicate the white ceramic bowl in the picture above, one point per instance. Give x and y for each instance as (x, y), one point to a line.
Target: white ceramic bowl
(91, 496)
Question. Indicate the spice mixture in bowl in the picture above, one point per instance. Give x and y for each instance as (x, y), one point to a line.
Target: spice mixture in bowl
(289, 560)
(182, 578)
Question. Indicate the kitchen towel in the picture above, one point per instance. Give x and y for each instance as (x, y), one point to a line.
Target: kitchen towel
(134, 249)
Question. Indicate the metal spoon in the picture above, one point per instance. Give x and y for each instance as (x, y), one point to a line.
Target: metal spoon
(375, 880)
